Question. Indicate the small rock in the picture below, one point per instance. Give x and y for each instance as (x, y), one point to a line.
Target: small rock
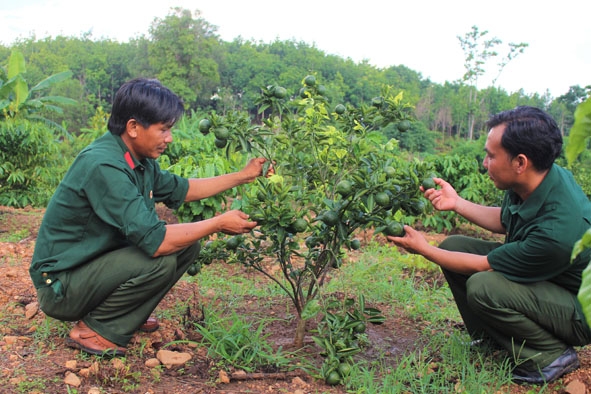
(72, 380)
(224, 378)
(170, 358)
(152, 362)
(297, 381)
(576, 387)
(117, 364)
(94, 390)
(31, 310)
(71, 364)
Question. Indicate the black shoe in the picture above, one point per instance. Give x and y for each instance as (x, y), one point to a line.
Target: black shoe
(567, 362)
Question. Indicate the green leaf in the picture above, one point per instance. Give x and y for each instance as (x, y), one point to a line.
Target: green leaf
(311, 309)
(580, 131)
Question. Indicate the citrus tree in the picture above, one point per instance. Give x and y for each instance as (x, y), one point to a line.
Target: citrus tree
(335, 174)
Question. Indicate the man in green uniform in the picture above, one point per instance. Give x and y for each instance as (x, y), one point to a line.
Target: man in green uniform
(520, 294)
(102, 255)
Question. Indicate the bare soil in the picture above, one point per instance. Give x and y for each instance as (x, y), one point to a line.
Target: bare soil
(31, 365)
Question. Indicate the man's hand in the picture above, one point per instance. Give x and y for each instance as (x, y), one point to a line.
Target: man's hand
(443, 198)
(254, 168)
(235, 222)
(412, 241)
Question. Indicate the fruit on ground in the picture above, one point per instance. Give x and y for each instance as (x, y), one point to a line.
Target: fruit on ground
(344, 369)
(194, 269)
(428, 183)
(359, 328)
(355, 244)
(333, 378)
(204, 125)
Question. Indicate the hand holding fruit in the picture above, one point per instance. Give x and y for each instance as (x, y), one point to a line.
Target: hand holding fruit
(412, 241)
(234, 222)
(442, 199)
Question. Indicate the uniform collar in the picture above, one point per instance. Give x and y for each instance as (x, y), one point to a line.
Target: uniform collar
(131, 161)
(529, 208)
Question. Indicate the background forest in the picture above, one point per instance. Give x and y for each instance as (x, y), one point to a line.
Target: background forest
(185, 53)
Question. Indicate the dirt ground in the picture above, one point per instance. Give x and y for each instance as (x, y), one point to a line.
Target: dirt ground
(28, 365)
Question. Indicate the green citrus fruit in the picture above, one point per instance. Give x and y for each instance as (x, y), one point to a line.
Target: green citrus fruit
(220, 143)
(330, 218)
(333, 378)
(340, 109)
(279, 92)
(321, 90)
(355, 244)
(344, 369)
(344, 188)
(257, 217)
(221, 133)
(299, 225)
(204, 125)
(394, 229)
(428, 183)
(359, 328)
(194, 269)
(310, 80)
(233, 243)
(403, 126)
(390, 171)
(312, 241)
(382, 199)
(304, 93)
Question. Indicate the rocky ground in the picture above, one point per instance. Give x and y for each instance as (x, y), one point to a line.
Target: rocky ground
(35, 359)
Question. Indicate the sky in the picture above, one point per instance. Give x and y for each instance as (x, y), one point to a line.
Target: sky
(419, 34)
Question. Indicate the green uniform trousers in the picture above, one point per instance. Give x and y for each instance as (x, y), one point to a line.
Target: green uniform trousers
(114, 294)
(534, 322)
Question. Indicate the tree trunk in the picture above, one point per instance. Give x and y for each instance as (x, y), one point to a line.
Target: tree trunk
(298, 341)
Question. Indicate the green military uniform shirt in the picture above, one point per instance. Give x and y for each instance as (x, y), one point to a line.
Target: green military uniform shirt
(542, 231)
(105, 202)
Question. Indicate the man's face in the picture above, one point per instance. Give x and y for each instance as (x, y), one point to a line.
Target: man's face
(152, 141)
(497, 161)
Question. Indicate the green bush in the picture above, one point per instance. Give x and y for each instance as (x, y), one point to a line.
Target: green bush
(28, 159)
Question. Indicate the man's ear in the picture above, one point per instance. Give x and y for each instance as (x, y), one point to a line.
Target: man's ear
(521, 163)
(132, 128)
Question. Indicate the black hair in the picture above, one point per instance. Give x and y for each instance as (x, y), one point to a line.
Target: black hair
(147, 101)
(529, 131)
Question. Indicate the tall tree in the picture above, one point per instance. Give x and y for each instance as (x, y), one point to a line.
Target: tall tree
(478, 50)
(185, 53)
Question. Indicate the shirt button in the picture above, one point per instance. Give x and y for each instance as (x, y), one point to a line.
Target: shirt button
(44, 274)
(48, 281)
